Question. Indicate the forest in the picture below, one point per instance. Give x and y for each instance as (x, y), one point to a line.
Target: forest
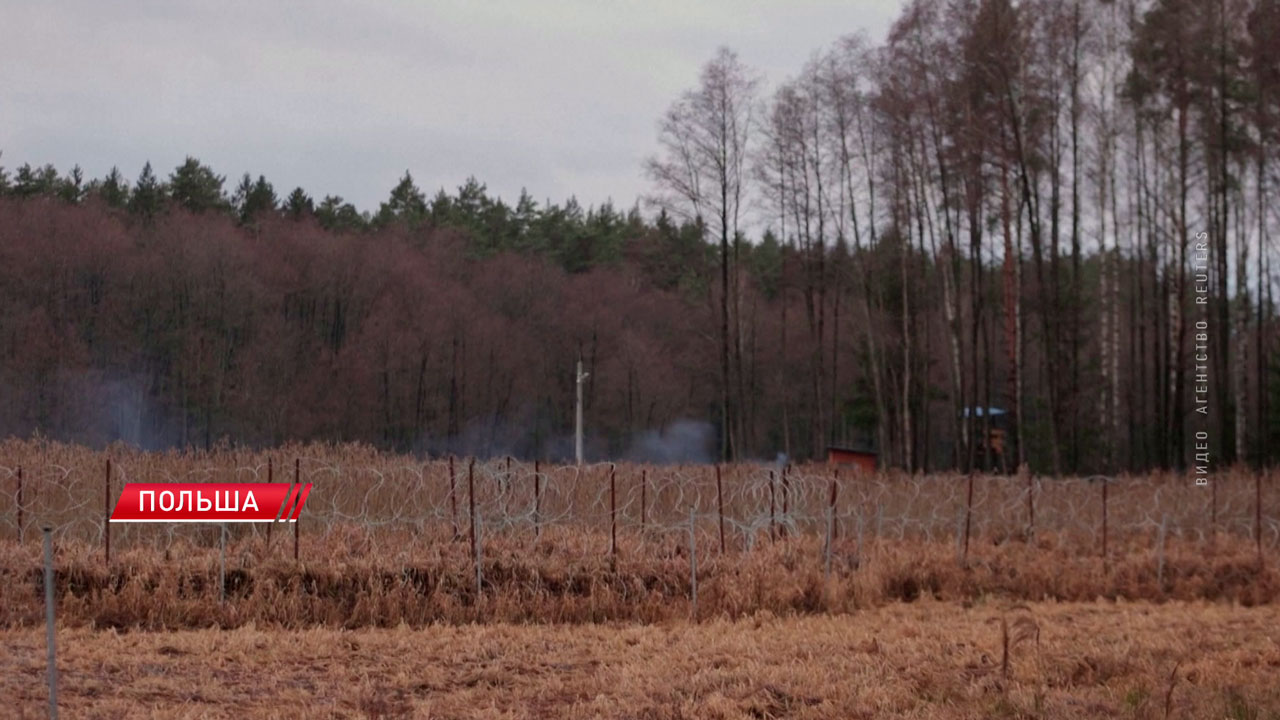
(1010, 233)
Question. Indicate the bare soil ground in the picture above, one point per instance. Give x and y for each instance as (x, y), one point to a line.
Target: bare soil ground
(921, 660)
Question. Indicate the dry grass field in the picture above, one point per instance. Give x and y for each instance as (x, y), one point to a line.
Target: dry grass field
(1134, 597)
(386, 539)
(922, 660)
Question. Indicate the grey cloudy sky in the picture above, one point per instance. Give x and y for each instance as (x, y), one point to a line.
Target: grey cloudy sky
(341, 97)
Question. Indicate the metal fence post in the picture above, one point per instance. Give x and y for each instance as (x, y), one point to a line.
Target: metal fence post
(270, 479)
(106, 515)
(21, 534)
(720, 506)
(644, 500)
(453, 498)
(968, 520)
(693, 567)
(471, 499)
(772, 519)
(222, 566)
(1104, 524)
(297, 473)
(537, 501)
(613, 514)
(50, 635)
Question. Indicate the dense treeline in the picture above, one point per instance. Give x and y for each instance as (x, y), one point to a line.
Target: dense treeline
(1060, 208)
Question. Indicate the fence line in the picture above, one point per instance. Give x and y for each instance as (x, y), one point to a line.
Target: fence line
(741, 504)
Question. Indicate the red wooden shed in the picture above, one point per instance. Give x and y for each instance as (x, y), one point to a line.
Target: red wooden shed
(863, 460)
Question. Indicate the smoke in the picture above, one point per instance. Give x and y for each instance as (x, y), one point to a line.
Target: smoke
(683, 441)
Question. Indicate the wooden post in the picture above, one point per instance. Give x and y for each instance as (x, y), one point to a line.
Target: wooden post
(1213, 510)
(1104, 523)
(475, 558)
(453, 498)
(1257, 514)
(537, 500)
(835, 488)
(720, 506)
(644, 500)
(613, 514)
(771, 506)
(826, 552)
(50, 636)
(471, 499)
(693, 567)
(1164, 520)
(1031, 505)
(222, 566)
(297, 475)
(106, 515)
(786, 488)
(968, 519)
(270, 479)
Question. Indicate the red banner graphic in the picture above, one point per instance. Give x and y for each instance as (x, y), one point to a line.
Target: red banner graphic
(211, 502)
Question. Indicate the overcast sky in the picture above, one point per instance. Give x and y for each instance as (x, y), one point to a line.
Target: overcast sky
(341, 98)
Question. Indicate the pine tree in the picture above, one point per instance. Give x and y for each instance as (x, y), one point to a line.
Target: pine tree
(71, 187)
(299, 204)
(252, 198)
(114, 189)
(407, 203)
(334, 214)
(196, 187)
(148, 194)
(30, 182)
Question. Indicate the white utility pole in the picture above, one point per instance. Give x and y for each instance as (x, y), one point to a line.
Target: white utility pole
(577, 445)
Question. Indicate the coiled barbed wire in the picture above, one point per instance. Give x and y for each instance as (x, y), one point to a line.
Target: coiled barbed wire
(394, 500)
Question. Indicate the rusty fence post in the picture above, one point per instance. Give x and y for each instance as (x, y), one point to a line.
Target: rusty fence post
(835, 489)
(537, 500)
(1104, 524)
(613, 514)
(106, 515)
(271, 476)
(1213, 511)
(968, 519)
(471, 499)
(772, 500)
(644, 500)
(786, 497)
(453, 498)
(1031, 505)
(297, 475)
(720, 506)
(693, 567)
(1257, 514)
(21, 534)
(50, 636)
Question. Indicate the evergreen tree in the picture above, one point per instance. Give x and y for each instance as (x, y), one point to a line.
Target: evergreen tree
(29, 181)
(148, 194)
(252, 198)
(196, 187)
(299, 204)
(71, 187)
(407, 203)
(334, 214)
(114, 189)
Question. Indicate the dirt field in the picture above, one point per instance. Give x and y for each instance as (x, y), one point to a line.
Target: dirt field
(918, 660)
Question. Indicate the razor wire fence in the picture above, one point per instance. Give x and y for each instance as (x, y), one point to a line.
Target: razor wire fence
(398, 502)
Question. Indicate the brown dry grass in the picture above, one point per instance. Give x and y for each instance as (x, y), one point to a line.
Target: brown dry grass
(922, 660)
(377, 545)
(564, 578)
